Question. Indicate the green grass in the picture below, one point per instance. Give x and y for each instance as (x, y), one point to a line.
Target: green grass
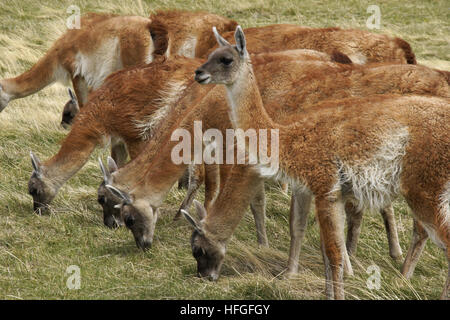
(36, 250)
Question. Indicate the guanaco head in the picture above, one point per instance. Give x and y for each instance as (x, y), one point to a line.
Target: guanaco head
(225, 63)
(70, 110)
(138, 216)
(41, 188)
(208, 252)
(108, 200)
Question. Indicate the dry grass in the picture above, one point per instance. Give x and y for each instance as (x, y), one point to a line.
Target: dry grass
(36, 250)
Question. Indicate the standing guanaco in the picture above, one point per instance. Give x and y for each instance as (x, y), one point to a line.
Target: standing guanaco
(395, 145)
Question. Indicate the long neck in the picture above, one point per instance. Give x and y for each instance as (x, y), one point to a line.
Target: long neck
(153, 172)
(234, 199)
(152, 180)
(247, 110)
(73, 154)
(149, 175)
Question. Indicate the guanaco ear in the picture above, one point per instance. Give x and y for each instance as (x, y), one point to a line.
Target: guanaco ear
(201, 211)
(73, 98)
(105, 172)
(220, 40)
(36, 163)
(120, 194)
(240, 41)
(192, 221)
(112, 166)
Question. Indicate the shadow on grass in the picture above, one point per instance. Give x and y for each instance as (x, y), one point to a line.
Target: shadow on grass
(122, 249)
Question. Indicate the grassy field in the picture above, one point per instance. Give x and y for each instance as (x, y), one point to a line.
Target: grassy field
(35, 251)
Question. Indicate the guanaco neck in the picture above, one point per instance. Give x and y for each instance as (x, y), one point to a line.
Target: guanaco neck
(246, 106)
(151, 175)
(220, 226)
(147, 178)
(72, 156)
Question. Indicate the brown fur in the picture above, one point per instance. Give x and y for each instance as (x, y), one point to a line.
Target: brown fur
(160, 35)
(317, 145)
(135, 89)
(446, 74)
(351, 42)
(409, 54)
(182, 25)
(297, 95)
(133, 38)
(295, 54)
(165, 32)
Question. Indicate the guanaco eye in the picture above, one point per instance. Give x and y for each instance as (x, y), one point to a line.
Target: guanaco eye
(101, 199)
(198, 252)
(33, 191)
(129, 221)
(226, 61)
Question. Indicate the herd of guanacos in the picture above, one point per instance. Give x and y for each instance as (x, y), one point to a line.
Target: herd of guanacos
(359, 123)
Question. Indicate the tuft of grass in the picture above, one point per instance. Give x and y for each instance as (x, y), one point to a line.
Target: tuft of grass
(35, 251)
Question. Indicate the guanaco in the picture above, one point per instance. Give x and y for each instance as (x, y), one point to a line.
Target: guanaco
(340, 152)
(146, 94)
(149, 189)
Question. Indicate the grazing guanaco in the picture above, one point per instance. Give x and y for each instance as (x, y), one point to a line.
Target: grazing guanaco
(216, 224)
(340, 152)
(146, 94)
(303, 85)
(133, 88)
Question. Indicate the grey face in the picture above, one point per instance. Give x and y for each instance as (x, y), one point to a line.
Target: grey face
(70, 110)
(224, 64)
(111, 215)
(42, 194)
(138, 216)
(141, 223)
(39, 187)
(209, 256)
(107, 199)
(222, 67)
